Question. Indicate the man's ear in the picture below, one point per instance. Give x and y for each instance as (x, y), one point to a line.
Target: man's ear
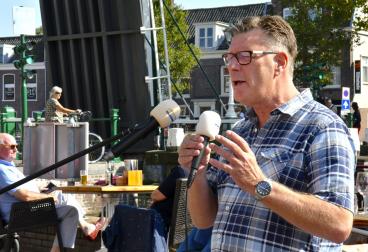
(281, 61)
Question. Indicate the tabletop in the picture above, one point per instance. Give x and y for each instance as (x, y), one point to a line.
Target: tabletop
(360, 220)
(107, 189)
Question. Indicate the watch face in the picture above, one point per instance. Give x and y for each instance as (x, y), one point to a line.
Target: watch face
(263, 188)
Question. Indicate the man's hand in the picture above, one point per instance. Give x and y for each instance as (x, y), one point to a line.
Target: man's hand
(190, 148)
(242, 164)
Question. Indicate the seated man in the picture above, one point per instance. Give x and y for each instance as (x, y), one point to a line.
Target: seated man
(163, 196)
(68, 209)
(197, 240)
(163, 200)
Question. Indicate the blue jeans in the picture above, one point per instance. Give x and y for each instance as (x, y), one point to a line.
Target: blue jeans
(198, 240)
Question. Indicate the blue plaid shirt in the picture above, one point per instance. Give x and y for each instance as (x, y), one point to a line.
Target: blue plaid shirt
(304, 146)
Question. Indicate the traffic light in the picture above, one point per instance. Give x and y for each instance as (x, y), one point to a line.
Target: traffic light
(24, 57)
(23, 51)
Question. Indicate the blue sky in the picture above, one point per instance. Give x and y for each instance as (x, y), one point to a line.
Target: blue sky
(194, 4)
(6, 9)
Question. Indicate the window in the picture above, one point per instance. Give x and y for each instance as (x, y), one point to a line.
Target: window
(200, 106)
(184, 112)
(225, 81)
(32, 88)
(336, 72)
(8, 87)
(287, 12)
(364, 70)
(206, 38)
(313, 13)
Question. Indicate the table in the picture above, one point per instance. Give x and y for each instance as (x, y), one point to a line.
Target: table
(362, 158)
(359, 234)
(108, 189)
(108, 192)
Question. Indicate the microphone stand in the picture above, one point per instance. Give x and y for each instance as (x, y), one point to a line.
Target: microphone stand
(64, 161)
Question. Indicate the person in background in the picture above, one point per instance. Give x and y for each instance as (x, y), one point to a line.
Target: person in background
(163, 197)
(356, 116)
(198, 240)
(163, 201)
(330, 105)
(54, 111)
(67, 208)
(284, 179)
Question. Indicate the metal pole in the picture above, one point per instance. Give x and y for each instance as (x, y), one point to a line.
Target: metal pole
(230, 113)
(23, 88)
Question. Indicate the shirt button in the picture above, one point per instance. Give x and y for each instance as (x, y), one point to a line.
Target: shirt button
(227, 208)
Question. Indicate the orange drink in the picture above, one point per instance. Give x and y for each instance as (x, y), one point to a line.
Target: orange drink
(135, 178)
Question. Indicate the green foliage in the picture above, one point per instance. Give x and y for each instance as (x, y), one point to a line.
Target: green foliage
(39, 30)
(322, 36)
(180, 57)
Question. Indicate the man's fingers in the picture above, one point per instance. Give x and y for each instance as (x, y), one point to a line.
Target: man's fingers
(220, 165)
(230, 145)
(222, 152)
(238, 140)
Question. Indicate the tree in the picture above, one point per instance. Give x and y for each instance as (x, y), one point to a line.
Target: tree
(39, 30)
(321, 29)
(180, 57)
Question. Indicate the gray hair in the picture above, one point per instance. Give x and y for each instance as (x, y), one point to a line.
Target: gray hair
(55, 89)
(279, 32)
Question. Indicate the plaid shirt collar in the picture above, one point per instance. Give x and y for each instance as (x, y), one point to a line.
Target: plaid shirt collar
(288, 108)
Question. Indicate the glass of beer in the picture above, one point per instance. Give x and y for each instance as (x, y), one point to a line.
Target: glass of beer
(83, 177)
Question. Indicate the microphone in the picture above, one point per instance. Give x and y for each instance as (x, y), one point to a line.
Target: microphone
(162, 115)
(208, 126)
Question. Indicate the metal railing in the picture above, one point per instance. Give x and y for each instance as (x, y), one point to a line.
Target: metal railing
(14, 127)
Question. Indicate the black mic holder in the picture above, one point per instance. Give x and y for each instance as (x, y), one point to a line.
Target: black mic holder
(66, 160)
(196, 162)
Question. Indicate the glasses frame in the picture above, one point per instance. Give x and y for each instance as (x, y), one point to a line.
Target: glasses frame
(58, 93)
(11, 146)
(252, 54)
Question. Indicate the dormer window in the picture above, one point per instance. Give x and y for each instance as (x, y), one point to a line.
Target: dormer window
(206, 37)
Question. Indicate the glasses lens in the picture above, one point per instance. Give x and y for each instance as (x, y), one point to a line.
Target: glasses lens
(243, 57)
(11, 146)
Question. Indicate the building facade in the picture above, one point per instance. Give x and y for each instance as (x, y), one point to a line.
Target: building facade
(10, 79)
(207, 32)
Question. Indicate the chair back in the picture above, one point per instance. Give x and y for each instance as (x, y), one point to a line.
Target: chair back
(181, 223)
(130, 229)
(32, 214)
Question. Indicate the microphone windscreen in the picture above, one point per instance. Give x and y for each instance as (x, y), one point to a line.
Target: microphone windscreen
(166, 112)
(209, 124)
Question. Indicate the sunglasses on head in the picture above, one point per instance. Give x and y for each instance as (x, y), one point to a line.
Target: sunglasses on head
(11, 146)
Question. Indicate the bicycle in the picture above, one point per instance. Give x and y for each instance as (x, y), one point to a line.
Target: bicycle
(93, 138)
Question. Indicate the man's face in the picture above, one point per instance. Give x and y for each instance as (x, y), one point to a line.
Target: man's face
(252, 83)
(8, 150)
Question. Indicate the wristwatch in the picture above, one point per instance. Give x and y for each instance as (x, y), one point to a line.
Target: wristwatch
(263, 189)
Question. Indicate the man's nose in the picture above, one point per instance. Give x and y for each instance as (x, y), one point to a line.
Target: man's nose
(233, 64)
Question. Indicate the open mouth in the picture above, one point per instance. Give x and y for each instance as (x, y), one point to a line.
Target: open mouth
(236, 83)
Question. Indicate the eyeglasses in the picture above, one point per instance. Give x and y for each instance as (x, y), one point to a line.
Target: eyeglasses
(57, 93)
(11, 146)
(243, 57)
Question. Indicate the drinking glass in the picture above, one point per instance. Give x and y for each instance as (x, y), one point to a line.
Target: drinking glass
(109, 172)
(362, 188)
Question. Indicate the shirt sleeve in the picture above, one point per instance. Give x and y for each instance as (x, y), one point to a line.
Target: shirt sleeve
(167, 187)
(7, 179)
(331, 165)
